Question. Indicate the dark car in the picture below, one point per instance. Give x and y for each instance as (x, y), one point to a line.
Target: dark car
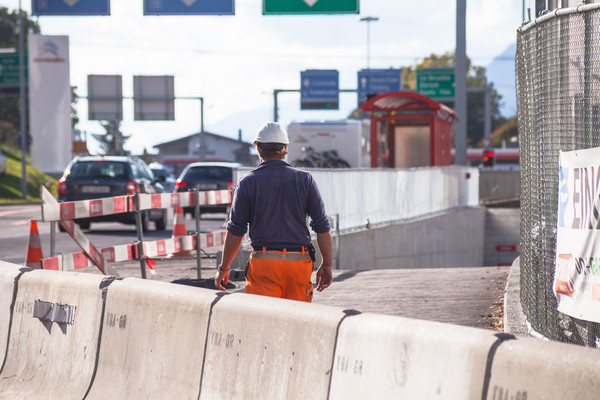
(164, 175)
(206, 176)
(93, 177)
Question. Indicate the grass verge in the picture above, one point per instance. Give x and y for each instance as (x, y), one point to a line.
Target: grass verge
(10, 184)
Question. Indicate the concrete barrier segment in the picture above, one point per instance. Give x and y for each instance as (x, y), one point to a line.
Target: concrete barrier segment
(9, 276)
(530, 368)
(152, 341)
(379, 356)
(53, 337)
(266, 348)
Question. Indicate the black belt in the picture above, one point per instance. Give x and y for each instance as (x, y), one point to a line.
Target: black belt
(299, 249)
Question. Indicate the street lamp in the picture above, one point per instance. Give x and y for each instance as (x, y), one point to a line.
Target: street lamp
(368, 20)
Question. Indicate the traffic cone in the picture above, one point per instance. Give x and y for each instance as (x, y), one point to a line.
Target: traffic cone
(179, 229)
(33, 258)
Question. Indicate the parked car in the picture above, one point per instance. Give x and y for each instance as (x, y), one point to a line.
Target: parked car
(3, 164)
(164, 175)
(92, 177)
(206, 176)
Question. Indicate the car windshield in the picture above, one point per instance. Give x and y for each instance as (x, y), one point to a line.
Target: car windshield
(98, 169)
(209, 174)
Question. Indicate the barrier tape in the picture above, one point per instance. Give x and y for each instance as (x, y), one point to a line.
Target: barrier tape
(69, 210)
(128, 252)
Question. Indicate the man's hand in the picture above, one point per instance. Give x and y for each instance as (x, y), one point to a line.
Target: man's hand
(221, 276)
(324, 277)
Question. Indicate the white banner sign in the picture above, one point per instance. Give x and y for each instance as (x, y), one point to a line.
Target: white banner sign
(49, 103)
(577, 269)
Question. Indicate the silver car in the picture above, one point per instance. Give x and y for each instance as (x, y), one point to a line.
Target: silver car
(3, 165)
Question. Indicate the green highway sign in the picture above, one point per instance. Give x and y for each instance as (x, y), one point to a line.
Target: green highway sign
(9, 69)
(437, 83)
(310, 7)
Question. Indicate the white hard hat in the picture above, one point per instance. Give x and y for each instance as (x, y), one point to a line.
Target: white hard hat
(272, 132)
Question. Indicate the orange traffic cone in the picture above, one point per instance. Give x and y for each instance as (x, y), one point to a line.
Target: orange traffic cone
(33, 258)
(179, 229)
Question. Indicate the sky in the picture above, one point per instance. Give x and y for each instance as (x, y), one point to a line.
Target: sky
(236, 62)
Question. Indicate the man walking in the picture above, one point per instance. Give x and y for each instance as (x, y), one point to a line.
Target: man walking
(273, 201)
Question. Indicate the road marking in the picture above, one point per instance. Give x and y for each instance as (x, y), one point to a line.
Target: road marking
(16, 223)
(19, 211)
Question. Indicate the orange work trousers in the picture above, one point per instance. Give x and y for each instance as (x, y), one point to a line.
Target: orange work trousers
(280, 274)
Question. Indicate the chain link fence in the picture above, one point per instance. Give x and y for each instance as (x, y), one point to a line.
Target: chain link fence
(558, 95)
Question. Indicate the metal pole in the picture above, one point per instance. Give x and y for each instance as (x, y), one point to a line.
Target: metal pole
(368, 20)
(201, 114)
(198, 249)
(23, 106)
(138, 224)
(487, 113)
(460, 99)
(275, 106)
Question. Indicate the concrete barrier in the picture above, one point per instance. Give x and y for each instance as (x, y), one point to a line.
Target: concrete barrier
(264, 348)
(387, 357)
(530, 368)
(53, 336)
(8, 276)
(152, 342)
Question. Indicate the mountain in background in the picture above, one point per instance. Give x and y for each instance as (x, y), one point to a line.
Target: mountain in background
(501, 71)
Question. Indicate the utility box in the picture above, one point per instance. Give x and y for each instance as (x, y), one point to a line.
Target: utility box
(349, 138)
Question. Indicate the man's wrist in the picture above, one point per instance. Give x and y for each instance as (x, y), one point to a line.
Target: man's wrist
(222, 270)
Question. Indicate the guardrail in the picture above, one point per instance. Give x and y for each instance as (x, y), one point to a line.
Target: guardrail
(66, 212)
(82, 336)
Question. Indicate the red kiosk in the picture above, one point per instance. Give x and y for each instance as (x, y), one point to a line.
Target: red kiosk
(409, 130)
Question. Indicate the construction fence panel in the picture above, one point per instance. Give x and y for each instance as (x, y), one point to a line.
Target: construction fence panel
(558, 95)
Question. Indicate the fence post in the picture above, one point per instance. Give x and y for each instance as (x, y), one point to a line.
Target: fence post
(138, 225)
(198, 249)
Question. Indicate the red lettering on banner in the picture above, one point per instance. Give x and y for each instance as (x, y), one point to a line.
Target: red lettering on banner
(50, 263)
(80, 261)
(95, 208)
(562, 279)
(67, 211)
(120, 204)
(210, 240)
(156, 201)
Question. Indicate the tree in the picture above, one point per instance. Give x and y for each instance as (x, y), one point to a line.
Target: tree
(475, 101)
(10, 108)
(113, 141)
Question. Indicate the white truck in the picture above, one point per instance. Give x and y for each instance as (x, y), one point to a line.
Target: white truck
(349, 138)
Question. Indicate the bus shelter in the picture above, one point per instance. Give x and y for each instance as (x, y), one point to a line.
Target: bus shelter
(409, 130)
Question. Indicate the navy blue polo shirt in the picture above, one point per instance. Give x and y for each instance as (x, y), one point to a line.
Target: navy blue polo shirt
(274, 201)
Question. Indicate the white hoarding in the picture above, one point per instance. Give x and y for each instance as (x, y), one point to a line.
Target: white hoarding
(49, 103)
(577, 268)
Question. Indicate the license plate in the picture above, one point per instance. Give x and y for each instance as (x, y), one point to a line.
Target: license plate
(95, 189)
(206, 186)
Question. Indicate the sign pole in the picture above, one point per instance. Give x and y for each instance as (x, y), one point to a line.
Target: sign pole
(23, 108)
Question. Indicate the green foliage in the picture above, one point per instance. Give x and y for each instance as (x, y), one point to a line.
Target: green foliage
(10, 109)
(505, 132)
(10, 184)
(113, 141)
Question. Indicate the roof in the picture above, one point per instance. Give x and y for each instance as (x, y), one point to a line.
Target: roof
(406, 101)
(186, 138)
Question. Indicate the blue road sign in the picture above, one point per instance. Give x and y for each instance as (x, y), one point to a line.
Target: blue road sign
(189, 7)
(70, 7)
(320, 89)
(377, 81)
